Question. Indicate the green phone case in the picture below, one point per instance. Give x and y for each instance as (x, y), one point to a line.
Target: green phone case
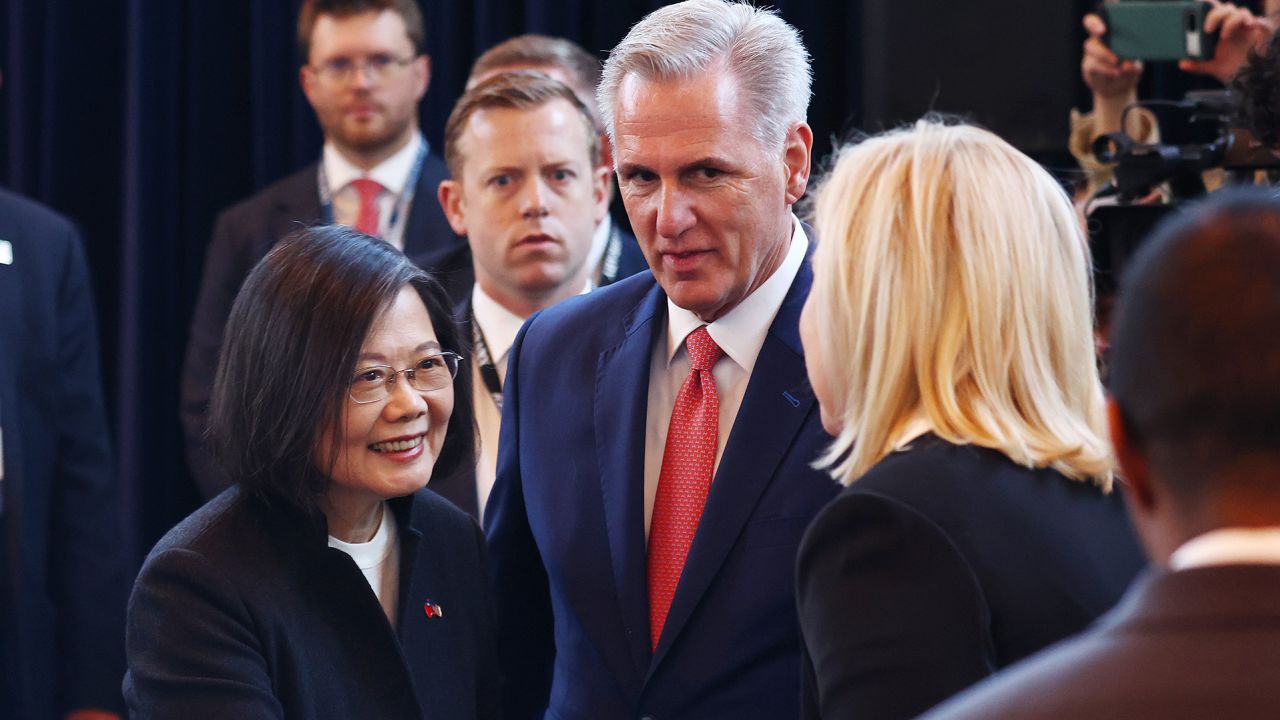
(1158, 29)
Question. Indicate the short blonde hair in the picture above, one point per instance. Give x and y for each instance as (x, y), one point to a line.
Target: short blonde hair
(953, 284)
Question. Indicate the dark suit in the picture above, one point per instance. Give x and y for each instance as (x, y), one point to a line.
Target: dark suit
(242, 235)
(243, 611)
(943, 564)
(566, 524)
(63, 577)
(1197, 643)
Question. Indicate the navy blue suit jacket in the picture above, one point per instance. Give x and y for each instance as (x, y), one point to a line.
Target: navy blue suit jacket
(242, 235)
(243, 611)
(64, 574)
(566, 527)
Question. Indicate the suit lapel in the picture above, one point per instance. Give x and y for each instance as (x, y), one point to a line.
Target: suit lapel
(621, 400)
(776, 403)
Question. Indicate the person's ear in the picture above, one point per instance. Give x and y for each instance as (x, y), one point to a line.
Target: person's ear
(1134, 468)
(600, 191)
(797, 151)
(451, 201)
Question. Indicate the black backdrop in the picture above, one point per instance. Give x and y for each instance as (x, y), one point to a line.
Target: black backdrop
(140, 119)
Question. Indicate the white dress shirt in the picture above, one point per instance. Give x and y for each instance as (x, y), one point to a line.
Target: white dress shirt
(740, 333)
(1229, 546)
(391, 174)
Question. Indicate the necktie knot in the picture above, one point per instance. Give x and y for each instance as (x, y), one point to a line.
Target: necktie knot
(703, 351)
(367, 220)
(367, 188)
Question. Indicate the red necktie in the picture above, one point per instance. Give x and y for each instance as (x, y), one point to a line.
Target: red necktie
(369, 190)
(688, 464)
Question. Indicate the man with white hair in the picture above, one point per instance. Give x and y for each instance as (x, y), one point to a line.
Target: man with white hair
(654, 470)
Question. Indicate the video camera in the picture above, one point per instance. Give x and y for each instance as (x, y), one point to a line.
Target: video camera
(1141, 168)
(1116, 229)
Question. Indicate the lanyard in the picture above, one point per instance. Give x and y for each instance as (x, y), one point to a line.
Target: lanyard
(484, 361)
(401, 207)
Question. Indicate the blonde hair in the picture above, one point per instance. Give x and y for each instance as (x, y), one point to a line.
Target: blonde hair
(952, 284)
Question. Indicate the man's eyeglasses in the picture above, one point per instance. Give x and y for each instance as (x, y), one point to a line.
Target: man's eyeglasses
(373, 383)
(378, 66)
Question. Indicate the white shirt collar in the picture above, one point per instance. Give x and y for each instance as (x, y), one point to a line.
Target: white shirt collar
(390, 173)
(499, 325)
(599, 241)
(1229, 546)
(741, 331)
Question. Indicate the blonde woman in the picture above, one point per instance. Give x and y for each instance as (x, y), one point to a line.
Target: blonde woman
(948, 340)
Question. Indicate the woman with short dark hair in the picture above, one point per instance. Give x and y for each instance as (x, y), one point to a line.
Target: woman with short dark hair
(327, 583)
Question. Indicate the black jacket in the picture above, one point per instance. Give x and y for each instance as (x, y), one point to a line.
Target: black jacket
(243, 611)
(943, 564)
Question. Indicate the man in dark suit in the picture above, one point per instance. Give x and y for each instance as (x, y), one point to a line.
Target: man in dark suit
(527, 191)
(365, 71)
(1195, 419)
(62, 571)
(654, 470)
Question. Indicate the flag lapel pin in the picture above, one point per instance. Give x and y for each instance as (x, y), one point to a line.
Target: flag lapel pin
(432, 610)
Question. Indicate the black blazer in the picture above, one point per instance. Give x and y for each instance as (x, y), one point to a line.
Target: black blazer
(63, 573)
(943, 564)
(243, 611)
(1197, 643)
(242, 235)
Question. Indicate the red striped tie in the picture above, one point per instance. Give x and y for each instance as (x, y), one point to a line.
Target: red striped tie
(369, 190)
(688, 464)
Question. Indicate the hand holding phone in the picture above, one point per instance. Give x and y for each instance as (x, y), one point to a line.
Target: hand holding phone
(1159, 29)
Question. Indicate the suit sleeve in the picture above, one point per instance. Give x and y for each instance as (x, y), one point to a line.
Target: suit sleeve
(88, 564)
(893, 618)
(227, 262)
(526, 641)
(489, 687)
(192, 650)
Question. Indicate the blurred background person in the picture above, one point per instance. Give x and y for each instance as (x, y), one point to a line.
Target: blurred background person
(328, 584)
(63, 576)
(364, 72)
(948, 340)
(1195, 417)
(527, 190)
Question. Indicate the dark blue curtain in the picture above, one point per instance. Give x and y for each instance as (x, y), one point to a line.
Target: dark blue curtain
(140, 119)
